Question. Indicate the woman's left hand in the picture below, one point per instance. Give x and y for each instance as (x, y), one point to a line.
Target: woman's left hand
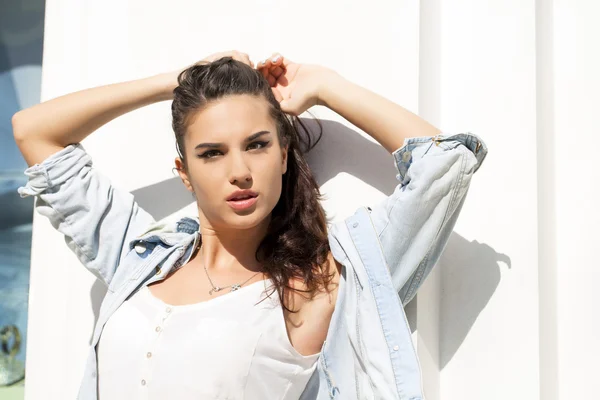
(297, 87)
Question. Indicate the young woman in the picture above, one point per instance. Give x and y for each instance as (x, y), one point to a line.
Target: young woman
(258, 297)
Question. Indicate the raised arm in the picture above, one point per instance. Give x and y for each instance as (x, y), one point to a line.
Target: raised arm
(48, 127)
(434, 174)
(97, 219)
(300, 86)
(414, 223)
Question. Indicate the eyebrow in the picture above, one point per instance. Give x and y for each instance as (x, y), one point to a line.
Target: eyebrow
(217, 145)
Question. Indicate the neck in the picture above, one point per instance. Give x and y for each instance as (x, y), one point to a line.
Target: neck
(232, 251)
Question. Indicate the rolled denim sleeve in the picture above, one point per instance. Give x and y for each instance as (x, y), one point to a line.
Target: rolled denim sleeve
(96, 219)
(416, 220)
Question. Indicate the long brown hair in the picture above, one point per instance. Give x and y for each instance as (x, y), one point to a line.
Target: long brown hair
(296, 245)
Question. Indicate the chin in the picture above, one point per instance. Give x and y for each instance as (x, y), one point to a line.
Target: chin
(245, 220)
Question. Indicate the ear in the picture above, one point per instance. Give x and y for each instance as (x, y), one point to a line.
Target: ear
(284, 159)
(183, 174)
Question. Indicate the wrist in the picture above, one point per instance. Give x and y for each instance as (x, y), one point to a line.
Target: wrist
(165, 83)
(331, 85)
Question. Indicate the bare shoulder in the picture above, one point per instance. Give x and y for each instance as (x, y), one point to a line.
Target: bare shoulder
(308, 327)
(324, 297)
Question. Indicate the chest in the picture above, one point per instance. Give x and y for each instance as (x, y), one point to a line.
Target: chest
(306, 329)
(212, 349)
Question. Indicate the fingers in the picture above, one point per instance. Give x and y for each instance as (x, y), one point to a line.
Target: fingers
(236, 55)
(273, 67)
(243, 57)
(278, 60)
(246, 59)
(276, 63)
(263, 67)
(277, 72)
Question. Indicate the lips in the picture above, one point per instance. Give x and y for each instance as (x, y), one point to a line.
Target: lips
(241, 198)
(239, 195)
(243, 202)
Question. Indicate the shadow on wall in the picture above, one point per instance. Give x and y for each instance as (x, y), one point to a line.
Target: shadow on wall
(470, 270)
(470, 274)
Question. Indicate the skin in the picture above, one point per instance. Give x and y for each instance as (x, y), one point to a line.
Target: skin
(237, 164)
(229, 238)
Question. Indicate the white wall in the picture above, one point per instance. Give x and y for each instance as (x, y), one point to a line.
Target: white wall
(574, 117)
(509, 312)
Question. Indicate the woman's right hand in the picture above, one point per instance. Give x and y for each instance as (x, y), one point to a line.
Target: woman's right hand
(171, 77)
(236, 55)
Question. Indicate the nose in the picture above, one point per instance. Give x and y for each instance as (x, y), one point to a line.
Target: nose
(239, 171)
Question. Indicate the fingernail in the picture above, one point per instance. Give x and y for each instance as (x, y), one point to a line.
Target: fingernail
(275, 59)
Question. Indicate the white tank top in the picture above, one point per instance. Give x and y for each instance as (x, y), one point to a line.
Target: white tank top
(228, 347)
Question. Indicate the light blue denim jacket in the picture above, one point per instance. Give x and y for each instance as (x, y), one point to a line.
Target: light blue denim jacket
(386, 251)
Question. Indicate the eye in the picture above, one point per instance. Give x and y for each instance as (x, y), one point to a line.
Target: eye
(209, 154)
(258, 145)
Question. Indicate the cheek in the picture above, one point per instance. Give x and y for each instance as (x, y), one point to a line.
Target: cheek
(274, 185)
(208, 189)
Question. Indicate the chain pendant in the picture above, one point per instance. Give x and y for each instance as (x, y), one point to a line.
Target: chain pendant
(235, 287)
(215, 289)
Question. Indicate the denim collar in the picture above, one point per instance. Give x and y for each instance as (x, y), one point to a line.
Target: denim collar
(168, 231)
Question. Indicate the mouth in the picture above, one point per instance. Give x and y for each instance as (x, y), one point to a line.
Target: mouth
(242, 202)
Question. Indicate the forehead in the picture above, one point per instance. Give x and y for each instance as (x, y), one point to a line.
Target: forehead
(234, 116)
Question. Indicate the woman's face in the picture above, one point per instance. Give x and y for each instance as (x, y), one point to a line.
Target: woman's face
(232, 145)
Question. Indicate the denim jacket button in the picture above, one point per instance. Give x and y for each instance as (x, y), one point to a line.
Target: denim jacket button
(140, 248)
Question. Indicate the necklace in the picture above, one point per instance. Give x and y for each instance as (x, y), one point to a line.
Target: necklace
(233, 287)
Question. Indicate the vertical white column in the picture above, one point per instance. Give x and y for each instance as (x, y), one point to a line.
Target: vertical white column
(427, 300)
(489, 302)
(51, 369)
(577, 174)
(547, 217)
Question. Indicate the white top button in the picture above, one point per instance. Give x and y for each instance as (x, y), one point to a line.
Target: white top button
(143, 382)
(168, 309)
(396, 348)
(140, 248)
(157, 329)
